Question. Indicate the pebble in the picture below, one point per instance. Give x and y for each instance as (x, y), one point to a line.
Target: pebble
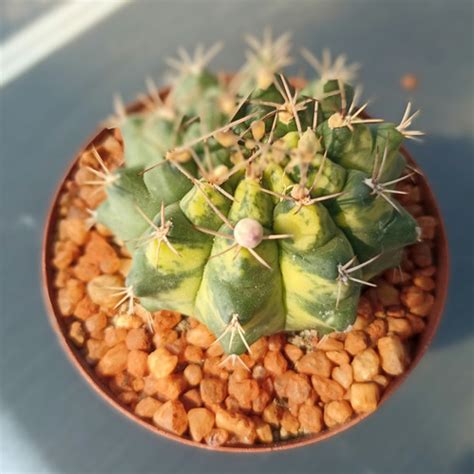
(366, 365)
(114, 360)
(99, 250)
(201, 421)
(424, 282)
(161, 362)
(193, 374)
(400, 326)
(423, 309)
(77, 334)
(276, 342)
(396, 276)
(330, 344)
(295, 387)
(164, 337)
(376, 329)
(170, 387)
(356, 341)
(166, 319)
(343, 375)
(292, 352)
(263, 430)
(127, 397)
(272, 414)
(194, 354)
(86, 269)
(314, 363)
(200, 336)
(417, 323)
(95, 324)
(65, 304)
(212, 366)
(137, 339)
(85, 308)
(217, 437)
(191, 399)
(95, 349)
(412, 296)
(338, 357)
(392, 354)
(214, 350)
(171, 416)
(231, 404)
(213, 390)
(259, 372)
(275, 363)
(337, 412)
(382, 380)
(137, 363)
(261, 401)
(364, 397)
(239, 425)
(244, 391)
(310, 418)
(147, 407)
(138, 384)
(75, 290)
(127, 321)
(65, 254)
(259, 348)
(290, 423)
(327, 389)
(75, 230)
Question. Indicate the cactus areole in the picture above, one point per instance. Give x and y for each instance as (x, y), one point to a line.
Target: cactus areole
(254, 206)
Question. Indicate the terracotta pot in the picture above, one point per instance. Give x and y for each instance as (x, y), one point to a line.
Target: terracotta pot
(57, 321)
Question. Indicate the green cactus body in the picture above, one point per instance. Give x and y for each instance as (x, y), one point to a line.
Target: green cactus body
(169, 279)
(263, 219)
(308, 264)
(236, 285)
(119, 211)
(373, 226)
(327, 94)
(146, 138)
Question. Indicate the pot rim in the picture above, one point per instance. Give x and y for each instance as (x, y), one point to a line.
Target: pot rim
(74, 356)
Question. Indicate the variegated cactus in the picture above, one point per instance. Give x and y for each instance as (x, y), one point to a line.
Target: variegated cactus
(254, 206)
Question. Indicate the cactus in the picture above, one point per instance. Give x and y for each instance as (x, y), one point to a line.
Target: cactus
(253, 206)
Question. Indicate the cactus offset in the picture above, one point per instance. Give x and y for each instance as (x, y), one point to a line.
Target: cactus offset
(253, 206)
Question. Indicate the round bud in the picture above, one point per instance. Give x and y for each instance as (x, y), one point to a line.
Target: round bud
(220, 171)
(248, 233)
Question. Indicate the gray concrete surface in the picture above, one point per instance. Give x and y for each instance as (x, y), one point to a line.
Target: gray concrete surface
(50, 421)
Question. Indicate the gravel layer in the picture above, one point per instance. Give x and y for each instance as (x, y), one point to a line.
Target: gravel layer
(165, 368)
